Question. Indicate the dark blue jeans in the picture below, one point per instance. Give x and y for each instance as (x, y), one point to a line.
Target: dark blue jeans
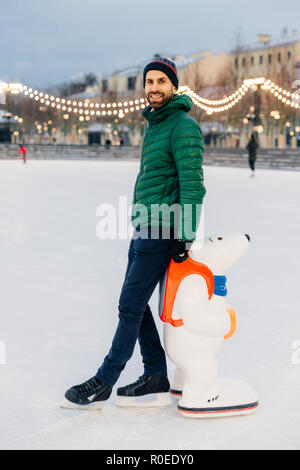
(147, 261)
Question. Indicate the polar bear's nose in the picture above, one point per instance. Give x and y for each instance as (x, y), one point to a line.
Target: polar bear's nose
(247, 236)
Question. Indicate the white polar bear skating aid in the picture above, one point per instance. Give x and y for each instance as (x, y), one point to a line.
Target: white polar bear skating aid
(197, 320)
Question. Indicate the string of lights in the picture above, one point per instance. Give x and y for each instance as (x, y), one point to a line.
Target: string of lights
(285, 96)
(237, 95)
(85, 109)
(228, 102)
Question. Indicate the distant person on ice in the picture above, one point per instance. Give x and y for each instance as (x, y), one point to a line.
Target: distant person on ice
(252, 147)
(23, 151)
(170, 173)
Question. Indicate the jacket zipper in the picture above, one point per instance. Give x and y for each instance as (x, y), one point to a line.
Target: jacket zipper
(143, 146)
(142, 161)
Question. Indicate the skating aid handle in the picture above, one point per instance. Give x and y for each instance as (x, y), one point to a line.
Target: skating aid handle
(233, 320)
(175, 274)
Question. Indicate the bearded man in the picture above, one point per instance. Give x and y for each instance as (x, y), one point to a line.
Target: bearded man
(170, 174)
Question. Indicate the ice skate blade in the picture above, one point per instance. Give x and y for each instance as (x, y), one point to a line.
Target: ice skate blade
(153, 400)
(218, 412)
(68, 405)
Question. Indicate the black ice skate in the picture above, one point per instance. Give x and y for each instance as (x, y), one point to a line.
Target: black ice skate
(147, 391)
(89, 395)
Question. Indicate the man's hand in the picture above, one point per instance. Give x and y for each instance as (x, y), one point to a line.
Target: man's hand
(179, 251)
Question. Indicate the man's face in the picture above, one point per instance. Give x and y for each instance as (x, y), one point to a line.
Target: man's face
(158, 88)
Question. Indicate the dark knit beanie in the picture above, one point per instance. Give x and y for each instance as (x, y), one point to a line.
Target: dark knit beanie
(164, 65)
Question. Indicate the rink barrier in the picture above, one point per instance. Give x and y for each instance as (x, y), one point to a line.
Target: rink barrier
(285, 159)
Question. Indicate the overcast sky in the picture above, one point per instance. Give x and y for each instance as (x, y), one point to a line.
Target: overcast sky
(46, 42)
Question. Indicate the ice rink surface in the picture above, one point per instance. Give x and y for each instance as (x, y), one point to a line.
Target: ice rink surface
(60, 287)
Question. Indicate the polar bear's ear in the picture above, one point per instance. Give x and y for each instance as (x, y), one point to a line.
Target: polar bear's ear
(198, 245)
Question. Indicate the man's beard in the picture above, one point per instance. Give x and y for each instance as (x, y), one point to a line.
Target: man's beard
(166, 98)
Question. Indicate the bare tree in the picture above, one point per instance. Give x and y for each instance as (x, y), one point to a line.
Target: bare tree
(75, 86)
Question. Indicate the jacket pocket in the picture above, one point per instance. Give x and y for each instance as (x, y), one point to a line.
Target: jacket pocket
(165, 195)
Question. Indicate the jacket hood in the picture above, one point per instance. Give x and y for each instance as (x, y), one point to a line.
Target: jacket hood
(178, 102)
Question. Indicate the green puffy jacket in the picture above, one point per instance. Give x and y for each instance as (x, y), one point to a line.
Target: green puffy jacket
(171, 170)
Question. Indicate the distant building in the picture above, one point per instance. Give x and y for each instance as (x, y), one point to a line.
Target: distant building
(275, 60)
(8, 126)
(126, 81)
(206, 71)
(211, 73)
(98, 134)
(204, 65)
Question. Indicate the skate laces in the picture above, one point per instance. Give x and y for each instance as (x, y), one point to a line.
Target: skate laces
(89, 386)
(139, 380)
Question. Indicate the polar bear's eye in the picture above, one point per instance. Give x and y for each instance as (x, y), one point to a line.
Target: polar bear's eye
(220, 238)
(210, 239)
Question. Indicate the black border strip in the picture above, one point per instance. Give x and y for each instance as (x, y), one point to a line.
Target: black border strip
(175, 392)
